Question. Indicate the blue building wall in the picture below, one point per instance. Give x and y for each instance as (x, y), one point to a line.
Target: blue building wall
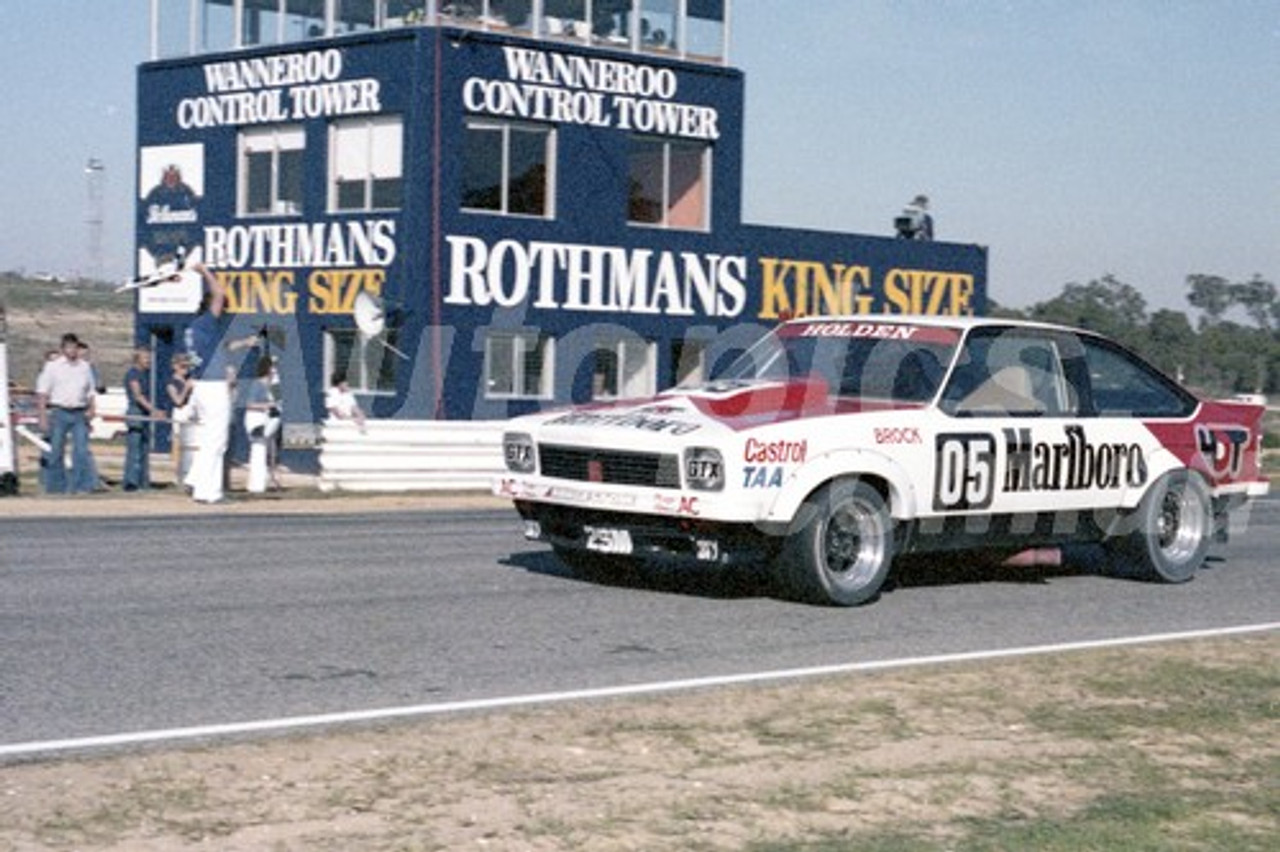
(451, 279)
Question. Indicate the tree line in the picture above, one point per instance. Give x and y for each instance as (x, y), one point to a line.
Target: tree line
(1233, 346)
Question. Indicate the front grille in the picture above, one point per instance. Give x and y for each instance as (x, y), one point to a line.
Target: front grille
(616, 467)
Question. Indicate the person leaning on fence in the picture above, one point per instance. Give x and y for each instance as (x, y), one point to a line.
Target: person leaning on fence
(65, 399)
(139, 413)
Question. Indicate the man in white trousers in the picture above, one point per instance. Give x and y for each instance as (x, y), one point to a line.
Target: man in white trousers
(213, 376)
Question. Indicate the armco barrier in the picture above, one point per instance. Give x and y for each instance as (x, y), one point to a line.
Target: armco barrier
(410, 455)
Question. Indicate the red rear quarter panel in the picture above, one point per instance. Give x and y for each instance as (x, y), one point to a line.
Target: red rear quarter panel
(1222, 441)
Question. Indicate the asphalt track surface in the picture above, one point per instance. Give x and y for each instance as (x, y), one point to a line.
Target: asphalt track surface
(120, 626)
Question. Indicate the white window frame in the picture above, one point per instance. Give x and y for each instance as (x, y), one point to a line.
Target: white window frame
(635, 367)
(276, 139)
(667, 144)
(505, 128)
(368, 148)
(689, 362)
(364, 367)
(521, 342)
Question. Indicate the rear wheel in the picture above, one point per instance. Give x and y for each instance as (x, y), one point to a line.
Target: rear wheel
(840, 547)
(1172, 529)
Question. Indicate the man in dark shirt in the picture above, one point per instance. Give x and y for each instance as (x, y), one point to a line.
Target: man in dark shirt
(141, 409)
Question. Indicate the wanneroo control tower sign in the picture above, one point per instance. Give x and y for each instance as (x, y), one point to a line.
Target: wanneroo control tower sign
(543, 214)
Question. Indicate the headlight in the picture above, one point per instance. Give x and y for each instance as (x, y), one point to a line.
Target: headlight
(517, 450)
(704, 469)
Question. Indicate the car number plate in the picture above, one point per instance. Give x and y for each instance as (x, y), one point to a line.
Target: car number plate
(607, 540)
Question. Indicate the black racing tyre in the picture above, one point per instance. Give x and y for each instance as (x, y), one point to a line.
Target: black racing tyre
(840, 546)
(1169, 534)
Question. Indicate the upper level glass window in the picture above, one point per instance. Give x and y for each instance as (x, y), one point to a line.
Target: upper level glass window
(706, 30)
(658, 25)
(366, 164)
(514, 15)
(692, 29)
(507, 168)
(565, 19)
(217, 26)
(669, 183)
(271, 171)
(304, 19)
(262, 23)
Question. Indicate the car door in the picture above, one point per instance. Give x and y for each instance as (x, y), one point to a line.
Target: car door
(1018, 437)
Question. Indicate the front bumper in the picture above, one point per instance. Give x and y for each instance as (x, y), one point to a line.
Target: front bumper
(650, 538)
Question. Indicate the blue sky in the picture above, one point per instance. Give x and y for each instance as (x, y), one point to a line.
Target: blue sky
(1074, 138)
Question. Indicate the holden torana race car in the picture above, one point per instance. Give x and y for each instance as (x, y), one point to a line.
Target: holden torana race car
(835, 444)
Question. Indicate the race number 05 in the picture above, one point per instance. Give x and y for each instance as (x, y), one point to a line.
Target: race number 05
(965, 477)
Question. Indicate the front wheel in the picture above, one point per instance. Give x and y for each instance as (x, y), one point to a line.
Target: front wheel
(840, 547)
(1172, 529)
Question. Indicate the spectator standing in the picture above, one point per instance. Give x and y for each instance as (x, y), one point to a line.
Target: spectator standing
(261, 422)
(213, 376)
(99, 484)
(178, 389)
(140, 411)
(65, 399)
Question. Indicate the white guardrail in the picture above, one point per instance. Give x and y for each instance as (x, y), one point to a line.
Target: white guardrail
(410, 455)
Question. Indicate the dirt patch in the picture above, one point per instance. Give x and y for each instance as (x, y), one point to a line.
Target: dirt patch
(935, 756)
(39, 313)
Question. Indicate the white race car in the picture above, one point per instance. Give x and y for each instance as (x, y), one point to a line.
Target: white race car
(837, 443)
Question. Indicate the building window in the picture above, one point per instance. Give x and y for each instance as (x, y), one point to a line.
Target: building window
(367, 362)
(669, 183)
(689, 363)
(507, 168)
(366, 164)
(271, 171)
(658, 24)
(706, 29)
(624, 368)
(519, 365)
(566, 19)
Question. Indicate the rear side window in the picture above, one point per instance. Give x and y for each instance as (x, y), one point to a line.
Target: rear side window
(1124, 385)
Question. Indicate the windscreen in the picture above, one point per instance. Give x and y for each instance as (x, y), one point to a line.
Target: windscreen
(892, 361)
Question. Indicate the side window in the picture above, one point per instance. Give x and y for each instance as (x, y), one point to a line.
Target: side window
(366, 164)
(669, 183)
(1008, 372)
(518, 365)
(507, 169)
(270, 179)
(1123, 385)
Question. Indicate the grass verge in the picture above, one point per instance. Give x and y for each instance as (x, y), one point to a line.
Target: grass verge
(1170, 747)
